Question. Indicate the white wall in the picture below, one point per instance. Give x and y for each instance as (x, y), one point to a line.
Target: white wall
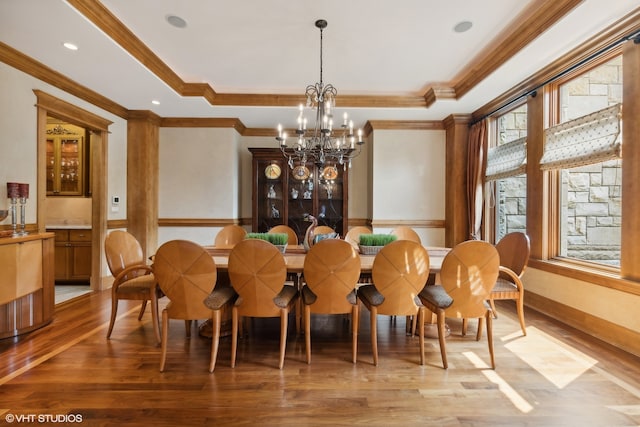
(198, 178)
(408, 177)
(599, 301)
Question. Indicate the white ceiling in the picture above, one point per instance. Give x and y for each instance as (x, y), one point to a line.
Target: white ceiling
(371, 47)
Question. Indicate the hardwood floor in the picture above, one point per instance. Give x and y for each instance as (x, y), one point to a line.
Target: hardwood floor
(552, 377)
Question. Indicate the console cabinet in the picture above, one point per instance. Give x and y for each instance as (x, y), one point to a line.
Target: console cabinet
(285, 195)
(26, 283)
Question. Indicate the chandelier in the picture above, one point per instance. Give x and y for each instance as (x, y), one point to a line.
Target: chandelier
(323, 142)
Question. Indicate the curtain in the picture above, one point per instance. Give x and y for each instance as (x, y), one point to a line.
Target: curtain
(589, 139)
(506, 160)
(476, 165)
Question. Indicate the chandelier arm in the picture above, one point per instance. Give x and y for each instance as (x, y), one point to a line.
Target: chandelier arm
(320, 144)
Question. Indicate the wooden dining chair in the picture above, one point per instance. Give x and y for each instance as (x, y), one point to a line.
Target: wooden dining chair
(400, 271)
(290, 232)
(187, 275)
(258, 272)
(331, 272)
(229, 235)
(353, 235)
(323, 229)
(467, 275)
(514, 249)
(406, 233)
(133, 279)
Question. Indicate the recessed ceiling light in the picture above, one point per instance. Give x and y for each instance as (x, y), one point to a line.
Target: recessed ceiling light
(176, 21)
(70, 46)
(155, 102)
(463, 26)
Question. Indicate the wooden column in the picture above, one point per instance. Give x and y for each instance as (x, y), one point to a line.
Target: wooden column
(456, 212)
(142, 178)
(630, 253)
(537, 200)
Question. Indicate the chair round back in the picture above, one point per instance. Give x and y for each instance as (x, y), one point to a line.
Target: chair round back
(229, 236)
(400, 271)
(293, 237)
(468, 274)
(257, 271)
(331, 271)
(323, 229)
(122, 250)
(514, 249)
(406, 233)
(187, 274)
(353, 235)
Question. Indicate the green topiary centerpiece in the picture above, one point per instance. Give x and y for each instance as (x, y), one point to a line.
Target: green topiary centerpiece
(370, 244)
(278, 239)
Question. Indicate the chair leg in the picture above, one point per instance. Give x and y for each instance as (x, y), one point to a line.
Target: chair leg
(187, 327)
(355, 325)
(465, 324)
(479, 332)
(492, 304)
(307, 332)
(143, 306)
(420, 316)
(284, 322)
(234, 335)
(154, 315)
(490, 338)
(520, 309)
(215, 338)
(114, 311)
(441, 335)
(374, 333)
(165, 334)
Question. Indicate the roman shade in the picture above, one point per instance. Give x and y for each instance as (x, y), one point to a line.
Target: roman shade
(583, 141)
(507, 160)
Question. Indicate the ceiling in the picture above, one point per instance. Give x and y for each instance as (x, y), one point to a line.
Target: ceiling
(252, 60)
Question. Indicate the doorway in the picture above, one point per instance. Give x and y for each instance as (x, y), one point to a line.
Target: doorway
(97, 127)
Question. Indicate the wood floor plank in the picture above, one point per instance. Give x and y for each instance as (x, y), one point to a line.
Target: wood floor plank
(555, 376)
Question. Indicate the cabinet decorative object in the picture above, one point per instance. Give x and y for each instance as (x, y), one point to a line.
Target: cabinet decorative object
(27, 297)
(72, 255)
(65, 162)
(282, 195)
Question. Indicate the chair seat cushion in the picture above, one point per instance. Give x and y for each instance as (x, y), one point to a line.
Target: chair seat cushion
(285, 296)
(220, 296)
(503, 285)
(436, 295)
(370, 295)
(308, 297)
(137, 284)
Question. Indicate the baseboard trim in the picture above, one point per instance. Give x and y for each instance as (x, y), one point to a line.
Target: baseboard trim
(611, 333)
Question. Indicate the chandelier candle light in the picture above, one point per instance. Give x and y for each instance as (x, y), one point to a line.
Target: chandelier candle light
(321, 144)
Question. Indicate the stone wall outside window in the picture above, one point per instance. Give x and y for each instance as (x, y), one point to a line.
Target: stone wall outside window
(591, 195)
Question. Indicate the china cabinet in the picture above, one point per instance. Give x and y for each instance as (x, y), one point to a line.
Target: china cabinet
(285, 195)
(65, 161)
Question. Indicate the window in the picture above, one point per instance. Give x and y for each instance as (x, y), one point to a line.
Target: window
(590, 192)
(505, 173)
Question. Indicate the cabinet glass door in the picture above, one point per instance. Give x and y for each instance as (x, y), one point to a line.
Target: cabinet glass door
(64, 166)
(302, 194)
(270, 197)
(330, 197)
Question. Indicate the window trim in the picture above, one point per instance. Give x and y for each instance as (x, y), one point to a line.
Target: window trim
(552, 105)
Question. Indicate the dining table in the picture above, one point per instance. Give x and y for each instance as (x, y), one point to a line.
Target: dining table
(294, 256)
